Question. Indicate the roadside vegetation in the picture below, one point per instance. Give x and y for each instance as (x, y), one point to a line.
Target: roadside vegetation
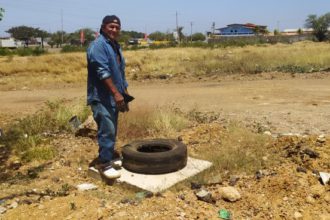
(37, 51)
(28, 138)
(230, 147)
(70, 68)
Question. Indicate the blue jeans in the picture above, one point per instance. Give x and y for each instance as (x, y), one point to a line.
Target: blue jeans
(106, 118)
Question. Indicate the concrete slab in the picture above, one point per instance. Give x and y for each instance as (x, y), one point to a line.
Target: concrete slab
(159, 182)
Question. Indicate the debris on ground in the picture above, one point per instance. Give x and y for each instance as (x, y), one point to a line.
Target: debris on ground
(2, 210)
(224, 214)
(205, 196)
(75, 122)
(325, 177)
(86, 187)
(143, 195)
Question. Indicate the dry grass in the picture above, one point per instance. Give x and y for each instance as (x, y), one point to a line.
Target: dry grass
(233, 150)
(147, 122)
(29, 137)
(59, 69)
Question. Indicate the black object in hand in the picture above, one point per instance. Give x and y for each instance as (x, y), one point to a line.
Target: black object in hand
(127, 98)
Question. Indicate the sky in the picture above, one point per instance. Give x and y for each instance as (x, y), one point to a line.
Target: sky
(148, 16)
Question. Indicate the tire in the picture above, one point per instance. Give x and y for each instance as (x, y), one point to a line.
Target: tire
(157, 156)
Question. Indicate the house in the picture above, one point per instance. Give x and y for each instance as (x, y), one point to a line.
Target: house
(8, 43)
(241, 30)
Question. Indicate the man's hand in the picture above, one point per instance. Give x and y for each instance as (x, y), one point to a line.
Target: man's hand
(120, 103)
(119, 99)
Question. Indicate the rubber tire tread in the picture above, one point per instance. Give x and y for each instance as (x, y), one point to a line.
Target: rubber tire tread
(157, 162)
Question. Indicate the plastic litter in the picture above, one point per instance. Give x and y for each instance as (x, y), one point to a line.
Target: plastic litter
(224, 214)
(75, 122)
(325, 177)
(86, 186)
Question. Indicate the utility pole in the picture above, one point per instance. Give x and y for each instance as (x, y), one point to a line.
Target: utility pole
(278, 26)
(177, 25)
(62, 25)
(191, 25)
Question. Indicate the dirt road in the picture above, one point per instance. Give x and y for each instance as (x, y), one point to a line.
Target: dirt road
(290, 105)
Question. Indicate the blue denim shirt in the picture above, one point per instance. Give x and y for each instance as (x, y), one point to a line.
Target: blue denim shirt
(102, 64)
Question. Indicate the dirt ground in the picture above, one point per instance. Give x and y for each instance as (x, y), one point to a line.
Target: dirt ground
(283, 104)
(287, 104)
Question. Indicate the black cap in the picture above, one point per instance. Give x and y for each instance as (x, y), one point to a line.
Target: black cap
(111, 19)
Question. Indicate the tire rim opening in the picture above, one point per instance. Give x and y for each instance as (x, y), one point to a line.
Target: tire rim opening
(153, 148)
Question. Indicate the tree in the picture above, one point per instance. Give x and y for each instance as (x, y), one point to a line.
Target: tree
(158, 36)
(300, 31)
(56, 38)
(1, 13)
(22, 32)
(25, 33)
(180, 34)
(198, 37)
(74, 38)
(319, 25)
(276, 32)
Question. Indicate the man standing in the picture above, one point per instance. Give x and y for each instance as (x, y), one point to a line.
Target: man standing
(106, 86)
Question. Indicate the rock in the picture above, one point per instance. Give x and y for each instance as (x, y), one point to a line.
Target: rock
(301, 170)
(182, 197)
(15, 165)
(2, 210)
(230, 194)
(310, 200)
(214, 180)
(194, 185)
(268, 133)
(86, 186)
(297, 215)
(321, 139)
(311, 153)
(317, 191)
(27, 201)
(205, 196)
(262, 173)
(88, 128)
(233, 180)
(325, 177)
(13, 205)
